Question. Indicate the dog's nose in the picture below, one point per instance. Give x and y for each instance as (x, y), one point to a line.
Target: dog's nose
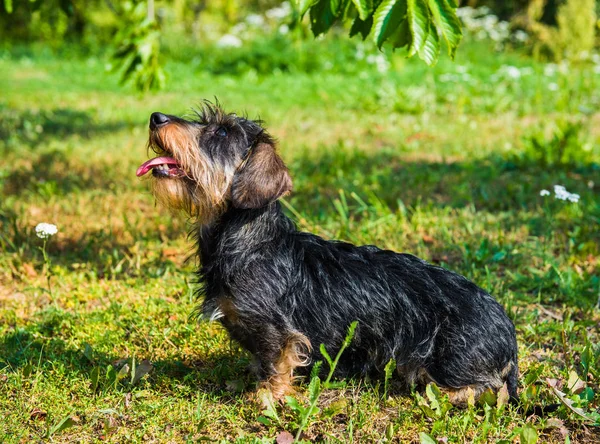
(158, 119)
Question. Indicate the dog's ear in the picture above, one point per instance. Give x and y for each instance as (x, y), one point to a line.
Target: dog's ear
(263, 178)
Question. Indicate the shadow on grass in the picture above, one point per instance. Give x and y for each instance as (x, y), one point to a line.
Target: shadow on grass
(34, 127)
(55, 174)
(33, 350)
(105, 253)
(39, 347)
(492, 184)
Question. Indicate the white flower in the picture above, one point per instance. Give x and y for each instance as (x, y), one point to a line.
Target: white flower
(379, 61)
(550, 69)
(44, 230)
(561, 193)
(255, 20)
(521, 36)
(552, 86)
(513, 72)
(229, 40)
(279, 13)
(544, 193)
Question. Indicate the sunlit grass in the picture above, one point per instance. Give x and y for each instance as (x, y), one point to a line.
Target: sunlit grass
(440, 167)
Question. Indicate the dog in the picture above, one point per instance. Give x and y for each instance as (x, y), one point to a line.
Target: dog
(281, 293)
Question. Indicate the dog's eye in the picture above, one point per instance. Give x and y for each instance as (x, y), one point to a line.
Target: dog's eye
(221, 132)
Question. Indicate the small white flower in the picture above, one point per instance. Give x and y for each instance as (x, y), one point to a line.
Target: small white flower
(553, 87)
(255, 20)
(544, 193)
(521, 36)
(513, 72)
(561, 193)
(229, 40)
(550, 69)
(45, 230)
(279, 13)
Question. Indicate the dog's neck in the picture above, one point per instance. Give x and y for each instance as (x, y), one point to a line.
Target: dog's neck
(239, 232)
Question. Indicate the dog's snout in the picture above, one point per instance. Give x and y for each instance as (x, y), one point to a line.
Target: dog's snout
(158, 119)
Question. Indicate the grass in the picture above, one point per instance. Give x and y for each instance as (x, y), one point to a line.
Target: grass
(429, 161)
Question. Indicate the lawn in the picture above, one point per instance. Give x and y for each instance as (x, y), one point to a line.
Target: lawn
(446, 163)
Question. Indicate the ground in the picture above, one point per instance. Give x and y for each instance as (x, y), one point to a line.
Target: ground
(446, 163)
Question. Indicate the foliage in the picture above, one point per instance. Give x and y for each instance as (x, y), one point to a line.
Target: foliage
(418, 25)
(51, 21)
(576, 29)
(574, 36)
(138, 49)
(568, 146)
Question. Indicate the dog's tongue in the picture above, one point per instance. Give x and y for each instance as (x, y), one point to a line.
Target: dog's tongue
(148, 165)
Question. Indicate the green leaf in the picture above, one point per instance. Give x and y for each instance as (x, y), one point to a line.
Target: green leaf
(264, 421)
(303, 6)
(433, 392)
(364, 8)
(387, 18)
(350, 334)
(141, 370)
(338, 6)
(489, 398)
(388, 371)
(321, 17)
(111, 375)
(326, 355)
(362, 27)
(316, 369)
(270, 410)
(401, 36)
(295, 405)
(123, 372)
(417, 16)
(62, 425)
(528, 435)
(8, 5)
(447, 23)
(95, 377)
(314, 389)
(27, 370)
(426, 439)
(586, 358)
(430, 51)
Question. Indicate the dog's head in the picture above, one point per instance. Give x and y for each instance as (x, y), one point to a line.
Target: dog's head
(218, 160)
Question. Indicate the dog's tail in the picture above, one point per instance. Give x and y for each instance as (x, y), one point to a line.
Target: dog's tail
(512, 382)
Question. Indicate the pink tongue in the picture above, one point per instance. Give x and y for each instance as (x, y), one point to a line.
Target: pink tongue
(148, 165)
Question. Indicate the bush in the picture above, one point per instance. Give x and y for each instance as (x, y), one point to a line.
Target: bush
(569, 146)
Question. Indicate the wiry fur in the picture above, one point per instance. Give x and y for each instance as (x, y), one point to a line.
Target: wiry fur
(278, 290)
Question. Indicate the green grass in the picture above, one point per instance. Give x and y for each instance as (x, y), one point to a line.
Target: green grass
(421, 160)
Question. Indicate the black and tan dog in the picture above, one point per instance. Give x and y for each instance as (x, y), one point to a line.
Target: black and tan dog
(281, 292)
